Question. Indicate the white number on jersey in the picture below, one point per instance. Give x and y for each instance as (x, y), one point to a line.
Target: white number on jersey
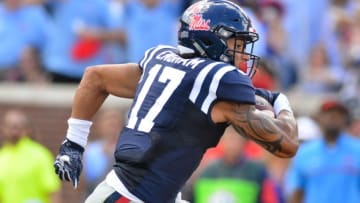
(174, 78)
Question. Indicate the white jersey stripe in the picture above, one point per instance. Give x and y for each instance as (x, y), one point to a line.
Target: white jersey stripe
(199, 81)
(213, 87)
(151, 56)
(145, 61)
(145, 57)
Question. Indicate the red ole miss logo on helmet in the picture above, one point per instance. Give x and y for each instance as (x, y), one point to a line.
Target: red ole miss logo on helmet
(197, 22)
(252, 29)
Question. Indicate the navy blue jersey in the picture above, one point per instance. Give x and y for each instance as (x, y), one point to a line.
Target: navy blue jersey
(169, 126)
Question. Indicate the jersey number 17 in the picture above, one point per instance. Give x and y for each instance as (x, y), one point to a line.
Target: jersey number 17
(169, 75)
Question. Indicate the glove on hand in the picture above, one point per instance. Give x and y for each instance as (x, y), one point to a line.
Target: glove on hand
(267, 94)
(68, 163)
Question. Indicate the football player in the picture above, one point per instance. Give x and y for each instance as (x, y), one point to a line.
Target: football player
(184, 98)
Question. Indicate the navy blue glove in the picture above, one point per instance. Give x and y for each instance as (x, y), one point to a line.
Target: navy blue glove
(267, 94)
(68, 163)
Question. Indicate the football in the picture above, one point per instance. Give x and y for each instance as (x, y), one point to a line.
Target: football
(263, 105)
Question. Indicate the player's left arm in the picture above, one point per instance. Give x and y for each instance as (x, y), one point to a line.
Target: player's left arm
(276, 135)
(236, 105)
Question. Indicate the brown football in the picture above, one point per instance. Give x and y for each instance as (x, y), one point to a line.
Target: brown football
(262, 104)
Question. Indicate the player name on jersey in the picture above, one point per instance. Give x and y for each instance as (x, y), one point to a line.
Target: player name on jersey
(171, 57)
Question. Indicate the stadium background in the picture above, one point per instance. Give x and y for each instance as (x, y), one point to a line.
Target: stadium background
(325, 24)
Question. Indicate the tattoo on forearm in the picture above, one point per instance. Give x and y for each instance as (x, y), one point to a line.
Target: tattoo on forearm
(261, 130)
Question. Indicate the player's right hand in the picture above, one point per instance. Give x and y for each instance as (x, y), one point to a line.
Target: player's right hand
(68, 163)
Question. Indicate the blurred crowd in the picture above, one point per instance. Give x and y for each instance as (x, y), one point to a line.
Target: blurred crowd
(46, 41)
(310, 47)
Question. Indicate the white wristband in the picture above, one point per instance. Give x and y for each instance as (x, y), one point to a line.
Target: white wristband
(281, 103)
(78, 131)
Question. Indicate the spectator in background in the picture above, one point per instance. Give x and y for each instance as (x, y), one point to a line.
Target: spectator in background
(345, 24)
(351, 85)
(354, 105)
(271, 14)
(340, 16)
(233, 177)
(116, 49)
(327, 169)
(99, 158)
(26, 172)
(21, 26)
(31, 67)
(351, 50)
(354, 128)
(308, 23)
(318, 77)
(149, 23)
(78, 37)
